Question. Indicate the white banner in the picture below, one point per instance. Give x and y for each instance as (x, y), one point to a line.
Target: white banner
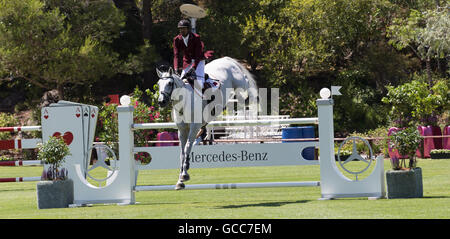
(230, 155)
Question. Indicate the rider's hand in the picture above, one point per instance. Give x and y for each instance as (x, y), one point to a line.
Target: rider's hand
(191, 72)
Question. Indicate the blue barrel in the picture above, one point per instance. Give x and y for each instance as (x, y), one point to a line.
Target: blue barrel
(291, 133)
(308, 132)
(300, 133)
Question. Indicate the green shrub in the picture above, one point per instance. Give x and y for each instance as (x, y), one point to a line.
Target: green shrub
(7, 120)
(107, 130)
(4, 158)
(380, 144)
(413, 102)
(406, 141)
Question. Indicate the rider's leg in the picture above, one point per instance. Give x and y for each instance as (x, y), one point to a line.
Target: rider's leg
(200, 72)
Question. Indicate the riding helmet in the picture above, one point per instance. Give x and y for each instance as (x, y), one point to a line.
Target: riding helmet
(184, 23)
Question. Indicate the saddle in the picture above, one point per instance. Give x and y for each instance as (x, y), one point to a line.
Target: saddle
(208, 82)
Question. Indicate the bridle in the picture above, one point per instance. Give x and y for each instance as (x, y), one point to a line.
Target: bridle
(171, 85)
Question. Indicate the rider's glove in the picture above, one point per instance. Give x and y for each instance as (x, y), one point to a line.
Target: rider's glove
(191, 72)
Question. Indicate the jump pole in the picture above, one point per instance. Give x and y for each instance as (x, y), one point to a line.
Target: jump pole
(229, 186)
(21, 128)
(17, 163)
(19, 179)
(172, 125)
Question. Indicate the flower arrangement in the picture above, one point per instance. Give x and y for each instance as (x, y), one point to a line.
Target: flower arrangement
(53, 152)
(107, 126)
(440, 153)
(143, 113)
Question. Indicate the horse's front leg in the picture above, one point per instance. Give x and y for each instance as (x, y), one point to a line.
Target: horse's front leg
(193, 130)
(183, 132)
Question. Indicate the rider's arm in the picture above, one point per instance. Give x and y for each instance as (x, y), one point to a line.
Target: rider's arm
(198, 54)
(176, 54)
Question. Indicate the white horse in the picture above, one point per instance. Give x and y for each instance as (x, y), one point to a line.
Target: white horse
(191, 112)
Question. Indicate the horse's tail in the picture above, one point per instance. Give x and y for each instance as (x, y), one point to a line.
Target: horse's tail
(251, 88)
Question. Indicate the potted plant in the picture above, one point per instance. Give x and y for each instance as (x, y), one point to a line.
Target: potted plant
(440, 154)
(55, 190)
(405, 180)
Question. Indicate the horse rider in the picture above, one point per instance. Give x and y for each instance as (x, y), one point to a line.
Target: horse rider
(190, 45)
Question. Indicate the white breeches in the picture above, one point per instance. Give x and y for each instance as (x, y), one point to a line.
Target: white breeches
(200, 72)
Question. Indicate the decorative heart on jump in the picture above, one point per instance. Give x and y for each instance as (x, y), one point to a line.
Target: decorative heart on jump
(77, 115)
(68, 136)
(46, 116)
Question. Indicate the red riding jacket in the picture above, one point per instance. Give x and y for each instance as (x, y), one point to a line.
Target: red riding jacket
(193, 51)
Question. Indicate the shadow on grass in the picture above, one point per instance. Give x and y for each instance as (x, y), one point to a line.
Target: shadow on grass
(143, 203)
(431, 197)
(263, 204)
(17, 190)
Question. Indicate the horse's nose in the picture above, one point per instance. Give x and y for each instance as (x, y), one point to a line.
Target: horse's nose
(160, 98)
(162, 103)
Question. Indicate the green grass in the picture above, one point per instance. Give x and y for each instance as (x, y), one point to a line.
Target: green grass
(18, 200)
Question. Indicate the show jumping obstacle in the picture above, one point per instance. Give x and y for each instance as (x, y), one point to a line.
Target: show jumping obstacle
(76, 124)
(121, 182)
(19, 144)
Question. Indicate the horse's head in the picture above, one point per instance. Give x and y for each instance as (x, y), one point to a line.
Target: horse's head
(167, 82)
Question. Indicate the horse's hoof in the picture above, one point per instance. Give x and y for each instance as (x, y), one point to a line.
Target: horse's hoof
(184, 177)
(179, 186)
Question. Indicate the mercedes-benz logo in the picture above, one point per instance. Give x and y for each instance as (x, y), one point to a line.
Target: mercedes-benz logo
(102, 155)
(355, 155)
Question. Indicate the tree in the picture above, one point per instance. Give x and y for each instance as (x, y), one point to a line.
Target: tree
(425, 32)
(221, 30)
(301, 46)
(141, 34)
(54, 43)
